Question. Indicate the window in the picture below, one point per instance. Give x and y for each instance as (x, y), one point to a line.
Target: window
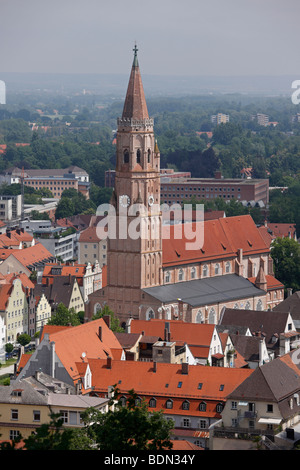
(169, 404)
(123, 401)
(202, 424)
(227, 267)
(221, 388)
(36, 415)
(205, 270)
(186, 422)
(14, 414)
(234, 405)
(186, 405)
(180, 275)
(138, 156)
(219, 407)
(64, 416)
(13, 434)
(202, 406)
(149, 155)
(199, 317)
(200, 384)
(167, 276)
(269, 408)
(217, 269)
(193, 273)
(126, 156)
(152, 403)
(179, 385)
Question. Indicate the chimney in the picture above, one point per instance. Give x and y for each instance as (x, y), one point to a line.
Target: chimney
(108, 362)
(260, 356)
(289, 291)
(107, 319)
(100, 333)
(185, 368)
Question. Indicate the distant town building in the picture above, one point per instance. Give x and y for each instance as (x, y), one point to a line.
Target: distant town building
(2, 92)
(262, 119)
(56, 180)
(219, 118)
(10, 207)
(248, 191)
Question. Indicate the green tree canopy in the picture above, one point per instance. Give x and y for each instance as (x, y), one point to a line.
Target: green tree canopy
(285, 253)
(130, 427)
(64, 316)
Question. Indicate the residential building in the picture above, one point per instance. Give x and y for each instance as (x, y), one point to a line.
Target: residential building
(28, 404)
(63, 289)
(203, 340)
(291, 305)
(276, 328)
(10, 207)
(91, 248)
(262, 119)
(60, 242)
(42, 312)
(265, 404)
(14, 310)
(28, 260)
(191, 396)
(63, 351)
(89, 277)
(219, 118)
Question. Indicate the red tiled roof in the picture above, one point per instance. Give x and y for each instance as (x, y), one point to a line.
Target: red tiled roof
(194, 334)
(222, 239)
(169, 382)
(32, 254)
(272, 282)
(72, 342)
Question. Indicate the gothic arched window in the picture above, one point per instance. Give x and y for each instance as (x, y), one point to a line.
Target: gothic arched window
(149, 155)
(138, 156)
(212, 316)
(205, 270)
(126, 156)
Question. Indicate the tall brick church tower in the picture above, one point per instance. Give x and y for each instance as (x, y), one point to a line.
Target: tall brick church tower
(134, 264)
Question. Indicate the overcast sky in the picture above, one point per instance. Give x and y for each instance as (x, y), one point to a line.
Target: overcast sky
(174, 37)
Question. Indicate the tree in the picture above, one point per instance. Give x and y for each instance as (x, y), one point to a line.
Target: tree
(130, 427)
(63, 316)
(285, 253)
(114, 321)
(52, 436)
(24, 339)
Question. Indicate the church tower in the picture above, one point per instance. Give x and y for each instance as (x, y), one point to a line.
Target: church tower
(135, 263)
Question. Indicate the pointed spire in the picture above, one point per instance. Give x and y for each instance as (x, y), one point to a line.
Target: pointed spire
(135, 106)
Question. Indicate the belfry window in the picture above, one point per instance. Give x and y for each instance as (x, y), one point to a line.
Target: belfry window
(149, 155)
(138, 156)
(126, 156)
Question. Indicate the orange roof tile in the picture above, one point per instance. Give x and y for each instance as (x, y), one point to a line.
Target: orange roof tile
(33, 254)
(168, 382)
(5, 291)
(72, 342)
(222, 239)
(26, 282)
(272, 282)
(195, 334)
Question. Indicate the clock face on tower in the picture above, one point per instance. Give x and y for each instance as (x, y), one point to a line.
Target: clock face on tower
(124, 200)
(150, 200)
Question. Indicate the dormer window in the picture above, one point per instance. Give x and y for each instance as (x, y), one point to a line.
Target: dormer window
(202, 406)
(186, 405)
(169, 404)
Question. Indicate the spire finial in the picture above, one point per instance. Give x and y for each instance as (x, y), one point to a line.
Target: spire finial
(135, 59)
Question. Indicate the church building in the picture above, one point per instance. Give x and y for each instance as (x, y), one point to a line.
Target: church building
(155, 275)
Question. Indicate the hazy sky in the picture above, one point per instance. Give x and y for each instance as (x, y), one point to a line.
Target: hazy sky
(176, 37)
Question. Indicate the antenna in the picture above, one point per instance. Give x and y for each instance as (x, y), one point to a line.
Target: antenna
(22, 193)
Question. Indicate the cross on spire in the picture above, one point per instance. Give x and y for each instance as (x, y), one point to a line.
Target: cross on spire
(135, 59)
